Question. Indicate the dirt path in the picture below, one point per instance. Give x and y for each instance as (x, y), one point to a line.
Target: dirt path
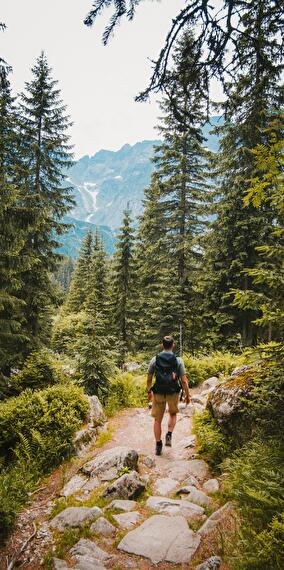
(131, 428)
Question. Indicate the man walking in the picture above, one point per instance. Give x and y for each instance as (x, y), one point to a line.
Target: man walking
(170, 378)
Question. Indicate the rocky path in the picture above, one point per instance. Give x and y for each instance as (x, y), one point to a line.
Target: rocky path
(129, 508)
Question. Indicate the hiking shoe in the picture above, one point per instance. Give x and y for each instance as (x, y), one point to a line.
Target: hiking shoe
(168, 441)
(159, 447)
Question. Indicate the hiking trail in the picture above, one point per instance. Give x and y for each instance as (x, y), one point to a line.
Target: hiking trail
(164, 512)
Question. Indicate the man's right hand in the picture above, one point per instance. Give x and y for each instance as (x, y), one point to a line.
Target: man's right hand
(150, 396)
(187, 399)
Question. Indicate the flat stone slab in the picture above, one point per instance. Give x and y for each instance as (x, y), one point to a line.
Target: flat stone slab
(165, 485)
(216, 519)
(211, 486)
(128, 520)
(122, 505)
(73, 517)
(162, 538)
(111, 461)
(88, 549)
(103, 527)
(174, 507)
(190, 481)
(128, 486)
(182, 469)
(198, 497)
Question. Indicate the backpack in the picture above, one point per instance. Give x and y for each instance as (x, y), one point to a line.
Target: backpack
(166, 369)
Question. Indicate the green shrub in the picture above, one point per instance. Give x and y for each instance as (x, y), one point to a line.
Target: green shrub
(126, 391)
(255, 478)
(41, 369)
(203, 367)
(41, 424)
(15, 484)
(210, 439)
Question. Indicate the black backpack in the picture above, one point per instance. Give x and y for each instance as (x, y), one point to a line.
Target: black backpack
(166, 370)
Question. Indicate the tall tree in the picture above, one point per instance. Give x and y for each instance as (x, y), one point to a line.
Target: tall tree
(123, 293)
(78, 286)
(11, 235)
(179, 190)
(45, 155)
(237, 231)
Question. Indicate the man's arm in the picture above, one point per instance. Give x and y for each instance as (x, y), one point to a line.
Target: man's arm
(185, 388)
(149, 385)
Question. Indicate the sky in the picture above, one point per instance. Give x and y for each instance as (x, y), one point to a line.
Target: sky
(98, 83)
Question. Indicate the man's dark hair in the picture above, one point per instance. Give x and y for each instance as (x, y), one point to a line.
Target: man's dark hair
(168, 342)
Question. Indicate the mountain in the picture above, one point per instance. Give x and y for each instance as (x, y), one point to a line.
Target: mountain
(105, 183)
(72, 240)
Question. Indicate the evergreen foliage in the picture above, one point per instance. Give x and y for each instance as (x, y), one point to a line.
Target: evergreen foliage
(170, 257)
(236, 233)
(44, 154)
(124, 290)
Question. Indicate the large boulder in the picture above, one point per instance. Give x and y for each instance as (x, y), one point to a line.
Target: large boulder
(128, 486)
(226, 403)
(73, 517)
(161, 538)
(96, 413)
(107, 464)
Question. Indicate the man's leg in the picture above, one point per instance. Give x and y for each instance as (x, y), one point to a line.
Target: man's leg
(158, 409)
(173, 409)
(158, 429)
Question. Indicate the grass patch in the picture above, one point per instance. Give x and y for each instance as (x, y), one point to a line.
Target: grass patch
(103, 437)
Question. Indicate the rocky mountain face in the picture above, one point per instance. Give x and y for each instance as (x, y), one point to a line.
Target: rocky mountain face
(104, 184)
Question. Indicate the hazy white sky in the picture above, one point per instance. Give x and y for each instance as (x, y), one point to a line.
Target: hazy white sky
(98, 83)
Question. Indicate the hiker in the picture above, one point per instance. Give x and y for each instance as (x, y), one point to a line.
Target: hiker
(170, 379)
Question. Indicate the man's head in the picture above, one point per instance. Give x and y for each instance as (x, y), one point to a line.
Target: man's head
(168, 342)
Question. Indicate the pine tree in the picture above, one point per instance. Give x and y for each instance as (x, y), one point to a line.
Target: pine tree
(95, 344)
(45, 155)
(124, 313)
(238, 231)
(78, 287)
(12, 233)
(179, 189)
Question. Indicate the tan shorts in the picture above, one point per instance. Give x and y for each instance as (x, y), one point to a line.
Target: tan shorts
(159, 405)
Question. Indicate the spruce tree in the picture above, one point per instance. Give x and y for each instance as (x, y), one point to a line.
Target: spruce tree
(80, 279)
(178, 193)
(45, 155)
(95, 344)
(12, 233)
(237, 232)
(124, 313)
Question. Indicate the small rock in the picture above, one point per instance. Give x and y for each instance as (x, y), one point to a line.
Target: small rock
(112, 460)
(122, 505)
(73, 517)
(240, 370)
(103, 527)
(190, 511)
(211, 486)
(198, 497)
(165, 485)
(92, 483)
(182, 469)
(197, 400)
(83, 438)
(191, 480)
(87, 548)
(212, 563)
(96, 414)
(210, 383)
(178, 545)
(74, 485)
(128, 486)
(216, 519)
(187, 442)
(149, 461)
(127, 520)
